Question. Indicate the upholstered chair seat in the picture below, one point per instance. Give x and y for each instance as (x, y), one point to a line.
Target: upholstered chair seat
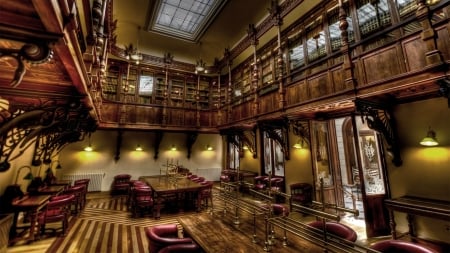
(399, 246)
(336, 229)
(161, 236)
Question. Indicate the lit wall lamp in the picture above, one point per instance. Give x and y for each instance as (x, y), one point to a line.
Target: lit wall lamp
(429, 140)
(138, 148)
(209, 148)
(89, 147)
(173, 148)
(300, 144)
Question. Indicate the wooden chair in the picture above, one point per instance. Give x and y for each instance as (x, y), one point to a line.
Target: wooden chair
(56, 210)
(205, 195)
(142, 201)
(85, 182)
(78, 191)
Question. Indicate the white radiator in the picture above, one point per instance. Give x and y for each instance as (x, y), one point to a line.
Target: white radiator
(95, 183)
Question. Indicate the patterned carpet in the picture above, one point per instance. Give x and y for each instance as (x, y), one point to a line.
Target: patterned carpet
(105, 225)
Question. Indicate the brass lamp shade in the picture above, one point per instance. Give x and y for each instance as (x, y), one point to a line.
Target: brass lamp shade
(430, 139)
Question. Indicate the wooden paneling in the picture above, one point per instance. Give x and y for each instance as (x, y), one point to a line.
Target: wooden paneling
(320, 86)
(414, 51)
(383, 64)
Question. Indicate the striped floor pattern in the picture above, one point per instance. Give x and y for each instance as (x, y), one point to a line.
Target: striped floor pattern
(106, 226)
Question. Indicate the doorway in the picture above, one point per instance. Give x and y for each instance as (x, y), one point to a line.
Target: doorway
(349, 172)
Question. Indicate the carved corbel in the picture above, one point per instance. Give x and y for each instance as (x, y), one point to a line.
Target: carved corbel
(158, 138)
(190, 140)
(278, 131)
(379, 118)
(248, 139)
(444, 89)
(301, 129)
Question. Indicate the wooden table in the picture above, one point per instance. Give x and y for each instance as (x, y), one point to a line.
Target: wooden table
(31, 205)
(416, 206)
(164, 186)
(217, 233)
(49, 190)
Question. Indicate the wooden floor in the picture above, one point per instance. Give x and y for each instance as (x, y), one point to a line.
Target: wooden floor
(105, 225)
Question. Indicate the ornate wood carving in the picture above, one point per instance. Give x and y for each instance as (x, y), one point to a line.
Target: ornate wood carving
(301, 129)
(380, 119)
(50, 123)
(190, 140)
(158, 138)
(278, 131)
(444, 88)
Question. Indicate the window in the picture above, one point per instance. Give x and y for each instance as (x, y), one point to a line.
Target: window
(296, 56)
(315, 43)
(335, 31)
(273, 157)
(185, 19)
(373, 15)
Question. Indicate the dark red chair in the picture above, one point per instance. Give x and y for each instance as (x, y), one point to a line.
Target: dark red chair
(179, 248)
(85, 182)
(301, 193)
(56, 210)
(78, 191)
(120, 184)
(336, 229)
(260, 183)
(399, 246)
(142, 200)
(205, 195)
(161, 236)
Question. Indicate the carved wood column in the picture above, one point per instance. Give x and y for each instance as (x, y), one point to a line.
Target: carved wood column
(275, 13)
(347, 67)
(433, 55)
(252, 34)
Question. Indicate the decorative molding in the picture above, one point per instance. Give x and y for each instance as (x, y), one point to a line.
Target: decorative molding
(444, 89)
(190, 140)
(301, 129)
(379, 118)
(277, 130)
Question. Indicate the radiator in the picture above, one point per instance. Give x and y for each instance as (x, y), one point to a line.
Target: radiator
(95, 183)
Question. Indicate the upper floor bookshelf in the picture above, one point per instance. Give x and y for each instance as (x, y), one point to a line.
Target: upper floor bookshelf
(137, 84)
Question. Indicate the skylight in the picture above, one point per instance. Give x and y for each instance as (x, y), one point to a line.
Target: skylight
(184, 19)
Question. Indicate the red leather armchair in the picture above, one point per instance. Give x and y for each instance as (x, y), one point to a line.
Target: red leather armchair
(337, 229)
(399, 246)
(178, 248)
(161, 236)
(120, 184)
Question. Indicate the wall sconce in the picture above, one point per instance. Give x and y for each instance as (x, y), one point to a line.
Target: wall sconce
(138, 148)
(173, 148)
(430, 139)
(245, 147)
(28, 176)
(89, 147)
(209, 148)
(300, 144)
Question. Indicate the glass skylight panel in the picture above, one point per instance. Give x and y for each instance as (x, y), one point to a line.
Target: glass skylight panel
(184, 18)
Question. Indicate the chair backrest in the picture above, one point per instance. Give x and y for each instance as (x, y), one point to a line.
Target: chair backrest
(58, 206)
(122, 178)
(163, 235)
(77, 190)
(338, 229)
(398, 246)
(143, 196)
